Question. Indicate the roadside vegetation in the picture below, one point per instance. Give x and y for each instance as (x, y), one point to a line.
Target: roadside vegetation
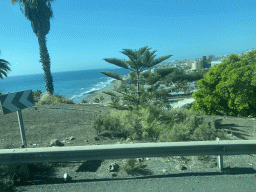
(229, 87)
(152, 124)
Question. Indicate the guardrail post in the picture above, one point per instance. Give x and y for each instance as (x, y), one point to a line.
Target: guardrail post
(219, 159)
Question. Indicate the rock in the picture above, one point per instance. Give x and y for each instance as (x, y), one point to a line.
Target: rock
(96, 139)
(113, 167)
(67, 177)
(70, 138)
(164, 171)
(56, 142)
(181, 167)
(140, 160)
(114, 175)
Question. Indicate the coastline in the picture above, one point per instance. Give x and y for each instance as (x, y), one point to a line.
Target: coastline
(107, 98)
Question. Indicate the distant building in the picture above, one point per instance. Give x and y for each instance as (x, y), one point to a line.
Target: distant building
(207, 65)
(194, 66)
(210, 57)
(197, 65)
(200, 63)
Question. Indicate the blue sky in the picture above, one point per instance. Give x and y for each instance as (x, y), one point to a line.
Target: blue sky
(84, 32)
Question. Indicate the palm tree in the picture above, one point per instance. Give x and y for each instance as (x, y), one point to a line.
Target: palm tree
(139, 61)
(39, 13)
(4, 67)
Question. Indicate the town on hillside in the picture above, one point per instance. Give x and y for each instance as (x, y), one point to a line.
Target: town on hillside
(180, 94)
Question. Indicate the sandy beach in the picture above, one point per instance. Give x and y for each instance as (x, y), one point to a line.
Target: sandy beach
(99, 93)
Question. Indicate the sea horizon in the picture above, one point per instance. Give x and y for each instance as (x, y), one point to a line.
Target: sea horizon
(74, 85)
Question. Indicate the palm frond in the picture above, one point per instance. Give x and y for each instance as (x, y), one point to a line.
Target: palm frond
(119, 91)
(117, 62)
(134, 64)
(160, 59)
(147, 59)
(4, 68)
(142, 50)
(129, 53)
(113, 75)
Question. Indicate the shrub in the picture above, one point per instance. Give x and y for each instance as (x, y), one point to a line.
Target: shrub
(105, 122)
(154, 124)
(96, 100)
(101, 99)
(47, 99)
(131, 165)
(84, 101)
(37, 95)
(206, 132)
(115, 99)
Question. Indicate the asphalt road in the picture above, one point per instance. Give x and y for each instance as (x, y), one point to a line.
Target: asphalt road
(167, 183)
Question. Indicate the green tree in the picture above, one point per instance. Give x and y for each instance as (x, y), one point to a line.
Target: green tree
(139, 61)
(229, 87)
(4, 68)
(39, 13)
(153, 79)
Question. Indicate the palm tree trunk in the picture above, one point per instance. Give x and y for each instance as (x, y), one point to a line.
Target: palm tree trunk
(46, 63)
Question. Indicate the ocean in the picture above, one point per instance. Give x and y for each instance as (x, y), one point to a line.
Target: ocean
(74, 85)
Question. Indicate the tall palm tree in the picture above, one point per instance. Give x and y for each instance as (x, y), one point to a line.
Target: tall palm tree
(39, 13)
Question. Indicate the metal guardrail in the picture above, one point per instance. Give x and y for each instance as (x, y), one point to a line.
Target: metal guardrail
(120, 151)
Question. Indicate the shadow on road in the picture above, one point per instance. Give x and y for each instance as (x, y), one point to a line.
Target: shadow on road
(226, 171)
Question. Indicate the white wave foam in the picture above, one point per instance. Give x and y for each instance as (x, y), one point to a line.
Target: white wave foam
(98, 86)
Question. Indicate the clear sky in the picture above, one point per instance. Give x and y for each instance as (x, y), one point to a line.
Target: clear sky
(83, 32)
